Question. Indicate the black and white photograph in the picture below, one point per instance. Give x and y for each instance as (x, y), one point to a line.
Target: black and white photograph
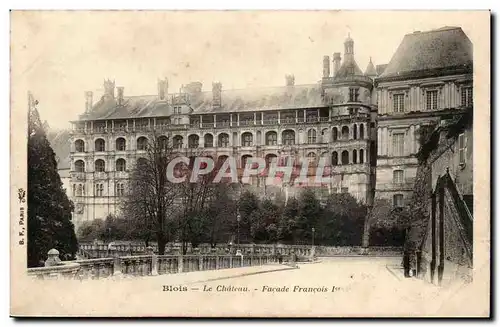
(250, 163)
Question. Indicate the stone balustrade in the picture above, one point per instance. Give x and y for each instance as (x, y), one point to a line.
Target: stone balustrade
(145, 265)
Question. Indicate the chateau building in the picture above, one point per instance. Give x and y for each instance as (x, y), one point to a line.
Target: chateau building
(333, 119)
(365, 124)
(428, 78)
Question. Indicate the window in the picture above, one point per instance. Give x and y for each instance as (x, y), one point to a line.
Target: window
(354, 156)
(100, 145)
(362, 131)
(246, 139)
(372, 125)
(80, 166)
(350, 70)
(142, 143)
(344, 190)
(361, 156)
(223, 140)
(79, 146)
(163, 142)
(398, 144)
(312, 158)
(178, 142)
(80, 190)
(288, 137)
(398, 200)
(177, 110)
(398, 102)
(335, 134)
(271, 138)
(120, 144)
(99, 189)
(209, 140)
(335, 158)
(120, 189)
(100, 166)
(121, 165)
(193, 141)
(345, 133)
(466, 95)
(345, 157)
(269, 159)
(311, 136)
(355, 132)
(244, 160)
(462, 148)
(397, 176)
(353, 94)
(432, 102)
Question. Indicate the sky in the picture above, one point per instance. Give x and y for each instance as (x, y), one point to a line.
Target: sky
(58, 55)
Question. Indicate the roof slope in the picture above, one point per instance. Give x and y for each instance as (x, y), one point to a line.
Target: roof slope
(59, 141)
(241, 100)
(447, 47)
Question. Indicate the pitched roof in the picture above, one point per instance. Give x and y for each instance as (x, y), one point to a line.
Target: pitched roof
(344, 69)
(380, 69)
(447, 47)
(370, 69)
(241, 100)
(59, 141)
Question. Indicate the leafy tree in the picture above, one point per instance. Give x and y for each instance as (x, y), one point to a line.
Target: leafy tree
(49, 209)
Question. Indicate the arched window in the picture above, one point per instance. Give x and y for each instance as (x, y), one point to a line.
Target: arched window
(209, 141)
(79, 146)
(335, 134)
(271, 138)
(311, 136)
(221, 160)
(142, 143)
(345, 157)
(100, 145)
(120, 144)
(361, 156)
(74, 189)
(355, 131)
(270, 158)
(121, 165)
(324, 137)
(193, 141)
(312, 158)
(99, 189)
(326, 160)
(345, 133)
(223, 140)
(354, 156)
(244, 160)
(120, 189)
(246, 139)
(178, 139)
(335, 158)
(163, 142)
(80, 166)
(362, 131)
(99, 165)
(288, 137)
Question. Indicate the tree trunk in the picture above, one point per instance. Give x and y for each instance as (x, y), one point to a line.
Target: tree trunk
(162, 242)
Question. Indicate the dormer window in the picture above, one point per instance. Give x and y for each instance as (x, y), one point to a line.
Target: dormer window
(350, 70)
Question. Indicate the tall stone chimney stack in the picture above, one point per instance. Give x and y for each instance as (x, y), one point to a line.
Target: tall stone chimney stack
(119, 98)
(162, 88)
(109, 89)
(88, 101)
(216, 94)
(326, 66)
(336, 62)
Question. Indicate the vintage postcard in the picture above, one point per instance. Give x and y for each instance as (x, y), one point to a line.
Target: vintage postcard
(250, 163)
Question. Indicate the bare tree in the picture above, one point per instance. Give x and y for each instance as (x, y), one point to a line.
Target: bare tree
(151, 195)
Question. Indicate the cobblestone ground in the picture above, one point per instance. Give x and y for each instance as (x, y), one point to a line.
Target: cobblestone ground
(348, 286)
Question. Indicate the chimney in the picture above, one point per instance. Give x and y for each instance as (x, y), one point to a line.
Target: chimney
(162, 88)
(216, 94)
(326, 66)
(349, 49)
(119, 98)
(336, 63)
(109, 89)
(88, 101)
(290, 80)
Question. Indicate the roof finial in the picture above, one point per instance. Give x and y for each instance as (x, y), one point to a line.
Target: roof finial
(370, 58)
